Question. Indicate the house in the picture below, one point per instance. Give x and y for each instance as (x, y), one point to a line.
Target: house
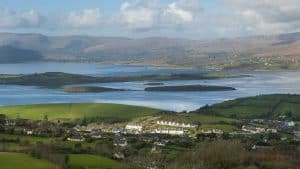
(271, 130)
(253, 130)
(119, 155)
(28, 131)
(148, 138)
(160, 143)
(118, 130)
(96, 135)
(289, 124)
(77, 138)
(169, 131)
(10, 123)
(297, 135)
(120, 141)
(134, 129)
(156, 149)
(260, 145)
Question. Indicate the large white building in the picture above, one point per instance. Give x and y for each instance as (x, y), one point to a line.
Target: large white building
(176, 124)
(133, 128)
(169, 131)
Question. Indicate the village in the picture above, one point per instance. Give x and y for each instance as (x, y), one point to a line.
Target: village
(156, 132)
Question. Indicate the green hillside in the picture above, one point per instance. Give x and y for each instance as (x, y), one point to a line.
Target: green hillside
(86, 161)
(23, 161)
(72, 111)
(265, 106)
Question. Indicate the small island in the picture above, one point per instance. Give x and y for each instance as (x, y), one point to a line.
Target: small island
(154, 84)
(91, 89)
(60, 79)
(189, 88)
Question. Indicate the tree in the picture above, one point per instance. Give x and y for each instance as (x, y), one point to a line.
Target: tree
(84, 121)
(2, 122)
(2, 119)
(45, 117)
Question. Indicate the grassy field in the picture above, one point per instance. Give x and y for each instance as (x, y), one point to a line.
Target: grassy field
(266, 106)
(86, 161)
(30, 139)
(22, 161)
(72, 111)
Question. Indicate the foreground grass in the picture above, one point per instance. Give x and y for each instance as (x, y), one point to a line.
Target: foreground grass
(72, 111)
(23, 161)
(86, 161)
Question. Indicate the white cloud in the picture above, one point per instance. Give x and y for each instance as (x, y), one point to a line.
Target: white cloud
(179, 14)
(265, 16)
(184, 18)
(138, 14)
(14, 19)
(88, 18)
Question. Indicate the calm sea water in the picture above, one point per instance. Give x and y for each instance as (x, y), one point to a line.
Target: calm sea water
(259, 83)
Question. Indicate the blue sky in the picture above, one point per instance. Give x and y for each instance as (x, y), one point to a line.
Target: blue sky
(195, 19)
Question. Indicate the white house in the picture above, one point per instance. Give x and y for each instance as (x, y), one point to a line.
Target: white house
(28, 131)
(76, 138)
(253, 130)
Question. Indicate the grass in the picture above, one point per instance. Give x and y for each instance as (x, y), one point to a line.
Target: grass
(23, 161)
(265, 106)
(30, 139)
(86, 161)
(195, 118)
(72, 111)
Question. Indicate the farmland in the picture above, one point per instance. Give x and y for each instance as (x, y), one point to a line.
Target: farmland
(18, 160)
(73, 111)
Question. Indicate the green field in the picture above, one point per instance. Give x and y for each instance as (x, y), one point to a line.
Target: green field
(72, 111)
(22, 161)
(86, 161)
(266, 106)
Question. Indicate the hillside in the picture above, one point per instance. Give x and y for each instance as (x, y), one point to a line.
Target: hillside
(9, 54)
(15, 160)
(259, 52)
(73, 111)
(265, 106)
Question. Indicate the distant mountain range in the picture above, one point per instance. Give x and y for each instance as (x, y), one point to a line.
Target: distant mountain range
(258, 52)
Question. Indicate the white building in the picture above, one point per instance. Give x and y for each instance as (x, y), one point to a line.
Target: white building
(76, 138)
(253, 130)
(175, 124)
(290, 124)
(134, 127)
(169, 131)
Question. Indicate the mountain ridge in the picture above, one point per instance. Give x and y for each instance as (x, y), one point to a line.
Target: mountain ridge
(281, 51)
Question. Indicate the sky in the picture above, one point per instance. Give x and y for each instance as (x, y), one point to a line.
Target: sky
(192, 19)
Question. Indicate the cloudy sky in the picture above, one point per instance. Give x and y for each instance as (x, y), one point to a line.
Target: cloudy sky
(195, 19)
